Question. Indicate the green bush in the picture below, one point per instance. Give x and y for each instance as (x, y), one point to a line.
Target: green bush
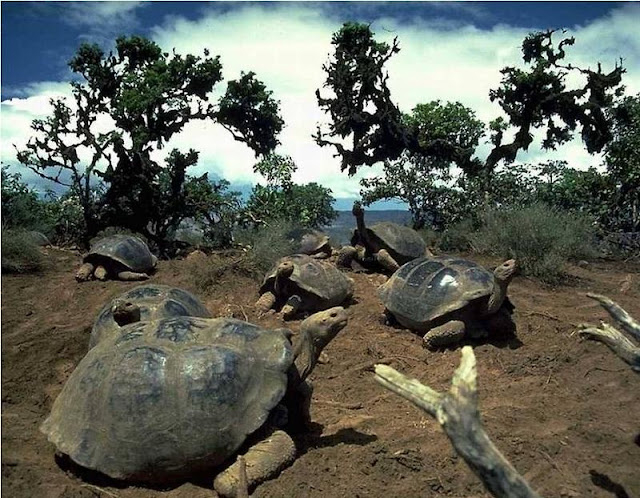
(457, 237)
(266, 244)
(19, 253)
(540, 237)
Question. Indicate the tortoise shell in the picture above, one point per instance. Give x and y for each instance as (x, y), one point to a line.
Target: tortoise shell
(155, 302)
(403, 243)
(128, 250)
(320, 285)
(313, 241)
(428, 289)
(170, 397)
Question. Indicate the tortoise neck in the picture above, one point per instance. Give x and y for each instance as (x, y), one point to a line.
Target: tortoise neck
(362, 229)
(497, 297)
(304, 357)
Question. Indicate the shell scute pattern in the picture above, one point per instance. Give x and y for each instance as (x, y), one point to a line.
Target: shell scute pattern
(169, 397)
(428, 288)
(154, 301)
(127, 250)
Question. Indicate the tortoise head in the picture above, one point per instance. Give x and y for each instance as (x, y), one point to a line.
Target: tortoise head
(285, 269)
(505, 271)
(125, 312)
(315, 333)
(357, 209)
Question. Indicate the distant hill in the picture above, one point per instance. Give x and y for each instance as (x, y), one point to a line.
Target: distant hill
(340, 230)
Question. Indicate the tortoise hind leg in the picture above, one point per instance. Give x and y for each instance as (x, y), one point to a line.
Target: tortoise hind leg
(385, 260)
(291, 307)
(264, 460)
(85, 272)
(265, 302)
(346, 255)
(132, 276)
(100, 273)
(444, 335)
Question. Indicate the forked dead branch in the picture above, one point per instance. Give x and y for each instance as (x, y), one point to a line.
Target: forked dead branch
(611, 336)
(457, 412)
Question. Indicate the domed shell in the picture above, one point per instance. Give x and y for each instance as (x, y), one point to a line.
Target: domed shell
(127, 250)
(401, 240)
(313, 241)
(322, 284)
(155, 302)
(169, 398)
(426, 289)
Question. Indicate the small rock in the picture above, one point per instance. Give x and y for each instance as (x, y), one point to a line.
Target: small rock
(583, 264)
(625, 284)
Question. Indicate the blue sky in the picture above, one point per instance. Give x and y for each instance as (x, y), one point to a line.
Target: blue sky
(449, 51)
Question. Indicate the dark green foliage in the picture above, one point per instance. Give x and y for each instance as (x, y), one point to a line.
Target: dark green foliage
(623, 164)
(19, 253)
(150, 96)
(359, 82)
(249, 112)
(21, 205)
(540, 237)
(309, 205)
(266, 244)
(535, 97)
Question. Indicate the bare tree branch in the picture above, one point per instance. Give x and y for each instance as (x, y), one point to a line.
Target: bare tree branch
(457, 412)
(612, 337)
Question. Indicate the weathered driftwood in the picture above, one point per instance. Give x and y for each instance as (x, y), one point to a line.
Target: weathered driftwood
(612, 337)
(457, 412)
(243, 486)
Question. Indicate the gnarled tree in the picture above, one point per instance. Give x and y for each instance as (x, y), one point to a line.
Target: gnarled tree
(148, 96)
(367, 127)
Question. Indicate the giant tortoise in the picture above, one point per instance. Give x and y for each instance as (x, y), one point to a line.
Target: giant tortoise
(387, 244)
(446, 297)
(302, 283)
(125, 257)
(144, 303)
(316, 244)
(173, 398)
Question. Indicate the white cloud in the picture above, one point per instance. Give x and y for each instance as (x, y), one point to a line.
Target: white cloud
(287, 45)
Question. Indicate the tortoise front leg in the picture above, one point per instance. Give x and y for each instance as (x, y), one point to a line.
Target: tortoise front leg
(100, 273)
(385, 260)
(264, 460)
(444, 335)
(85, 272)
(132, 276)
(346, 255)
(291, 307)
(265, 302)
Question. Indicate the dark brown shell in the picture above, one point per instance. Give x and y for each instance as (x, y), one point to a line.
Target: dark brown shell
(169, 398)
(427, 289)
(403, 242)
(155, 302)
(313, 241)
(321, 285)
(128, 250)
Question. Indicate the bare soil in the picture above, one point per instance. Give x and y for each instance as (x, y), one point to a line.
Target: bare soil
(564, 411)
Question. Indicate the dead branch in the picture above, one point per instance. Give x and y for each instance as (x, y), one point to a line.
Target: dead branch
(457, 412)
(99, 490)
(243, 486)
(612, 337)
(618, 314)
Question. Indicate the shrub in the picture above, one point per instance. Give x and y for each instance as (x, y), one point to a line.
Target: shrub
(457, 237)
(19, 253)
(266, 244)
(540, 237)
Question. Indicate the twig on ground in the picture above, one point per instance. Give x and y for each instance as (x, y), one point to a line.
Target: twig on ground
(612, 337)
(457, 413)
(97, 489)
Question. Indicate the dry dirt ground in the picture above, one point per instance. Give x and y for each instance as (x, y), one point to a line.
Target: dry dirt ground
(564, 411)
